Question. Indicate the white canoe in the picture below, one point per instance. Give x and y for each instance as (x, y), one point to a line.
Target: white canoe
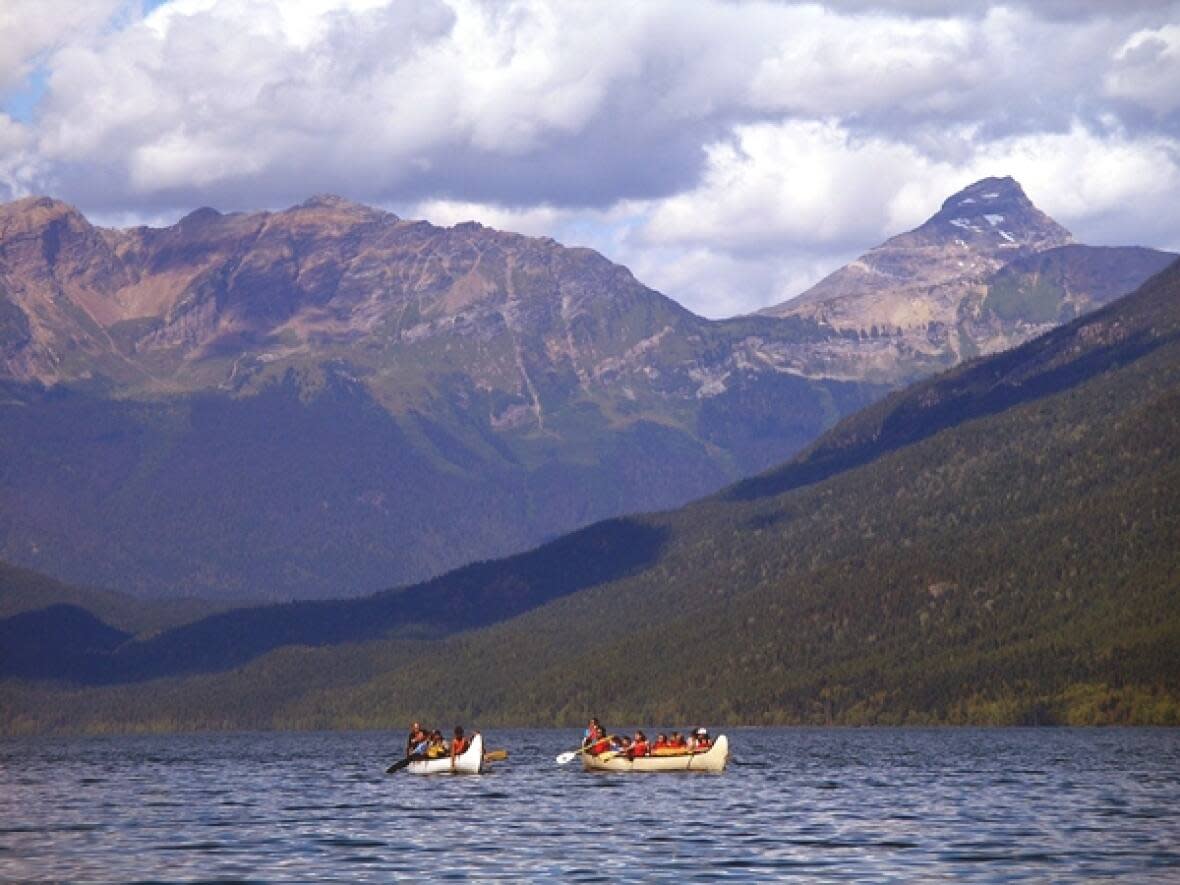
(713, 759)
(470, 762)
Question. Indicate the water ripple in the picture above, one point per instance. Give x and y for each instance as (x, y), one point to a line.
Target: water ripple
(822, 805)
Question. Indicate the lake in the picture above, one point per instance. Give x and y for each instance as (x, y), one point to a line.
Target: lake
(816, 804)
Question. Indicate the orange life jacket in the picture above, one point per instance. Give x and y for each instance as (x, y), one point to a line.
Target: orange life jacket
(459, 746)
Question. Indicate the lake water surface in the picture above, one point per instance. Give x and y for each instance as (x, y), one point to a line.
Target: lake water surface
(813, 804)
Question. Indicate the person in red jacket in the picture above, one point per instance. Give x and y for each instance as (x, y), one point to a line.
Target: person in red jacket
(595, 741)
(459, 743)
(700, 741)
(639, 746)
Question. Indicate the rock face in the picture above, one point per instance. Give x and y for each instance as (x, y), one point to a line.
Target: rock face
(330, 400)
(987, 272)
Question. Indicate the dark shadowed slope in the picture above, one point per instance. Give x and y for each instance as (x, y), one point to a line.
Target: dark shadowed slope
(472, 596)
(1002, 550)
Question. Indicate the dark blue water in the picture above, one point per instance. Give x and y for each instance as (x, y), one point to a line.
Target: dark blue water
(818, 804)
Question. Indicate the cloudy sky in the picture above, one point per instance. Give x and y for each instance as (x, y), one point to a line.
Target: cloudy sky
(731, 153)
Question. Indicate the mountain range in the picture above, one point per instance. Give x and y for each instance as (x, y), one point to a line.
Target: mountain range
(329, 400)
(994, 544)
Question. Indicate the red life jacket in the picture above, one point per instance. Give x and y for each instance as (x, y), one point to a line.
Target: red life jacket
(638, 749)
(703, 744)
(600, 746)
(459, 746)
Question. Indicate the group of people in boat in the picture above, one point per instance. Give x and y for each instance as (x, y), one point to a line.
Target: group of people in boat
(596, 741)
(425, 744)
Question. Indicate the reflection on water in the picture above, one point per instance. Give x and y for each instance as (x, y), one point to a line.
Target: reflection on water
(820, 804)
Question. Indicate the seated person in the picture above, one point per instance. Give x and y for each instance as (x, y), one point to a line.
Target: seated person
(700, 741)
(459, 743)
(661, 742)
(639, 746)
(437, 748)
(416, 738)
(598, 742)
(677, 742)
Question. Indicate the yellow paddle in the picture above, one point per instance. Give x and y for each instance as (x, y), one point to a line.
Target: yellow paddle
(495, 755)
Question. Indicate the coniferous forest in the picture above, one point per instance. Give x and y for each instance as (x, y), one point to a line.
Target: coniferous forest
(999, 544)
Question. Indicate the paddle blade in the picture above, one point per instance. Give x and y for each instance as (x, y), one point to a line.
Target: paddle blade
(495, 755)
(398, 766)
(566, 757)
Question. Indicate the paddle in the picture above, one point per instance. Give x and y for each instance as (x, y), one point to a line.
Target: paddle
(570, 756)
(495, 755)
(400, 764)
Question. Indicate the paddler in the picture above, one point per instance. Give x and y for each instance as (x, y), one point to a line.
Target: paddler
(459, 744)
(416, 739)
(437, 747)
(700, 741)
(595, 740)
(639, 746)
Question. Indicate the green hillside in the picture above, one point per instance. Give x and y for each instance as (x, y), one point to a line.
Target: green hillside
(995, 545)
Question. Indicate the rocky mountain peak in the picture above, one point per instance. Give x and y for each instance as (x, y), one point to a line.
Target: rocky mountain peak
(997, 193)
(996, 216)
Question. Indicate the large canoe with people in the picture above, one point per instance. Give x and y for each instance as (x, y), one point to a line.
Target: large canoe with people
(470, 761)
(712, 759)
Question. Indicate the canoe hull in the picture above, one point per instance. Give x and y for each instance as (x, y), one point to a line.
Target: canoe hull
(470, 762)
(714, 759)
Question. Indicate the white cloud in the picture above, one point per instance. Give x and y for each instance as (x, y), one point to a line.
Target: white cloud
(780, 196)
(824, 67)
(1146, 69)
(29, 28)
(808, 183)
(731, 153)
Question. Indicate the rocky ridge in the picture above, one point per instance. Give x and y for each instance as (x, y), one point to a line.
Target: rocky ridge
(330, 399)
(986, 272)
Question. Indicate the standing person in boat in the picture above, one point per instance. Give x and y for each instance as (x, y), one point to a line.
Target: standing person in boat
(416, 737)
(590, 735)
(596, 742)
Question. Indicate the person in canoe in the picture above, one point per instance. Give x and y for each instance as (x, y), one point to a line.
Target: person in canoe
(436, 747)
(595, 741)
(701, 741)
(459, 744)
(677, 742)
(417, 741)
(639, 746)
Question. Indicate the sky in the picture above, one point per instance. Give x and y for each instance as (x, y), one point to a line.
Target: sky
(730, 153)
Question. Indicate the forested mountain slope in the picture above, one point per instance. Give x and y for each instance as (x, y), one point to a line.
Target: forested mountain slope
(996, 544)
(330, 400)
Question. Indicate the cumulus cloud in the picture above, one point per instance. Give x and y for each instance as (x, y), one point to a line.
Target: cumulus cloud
(730, 152)
(29, 28)
(1146, 69)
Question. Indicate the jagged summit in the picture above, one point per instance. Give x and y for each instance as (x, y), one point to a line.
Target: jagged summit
(976, 232)
(997, 215)
(1003, 193)
(936, 292)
